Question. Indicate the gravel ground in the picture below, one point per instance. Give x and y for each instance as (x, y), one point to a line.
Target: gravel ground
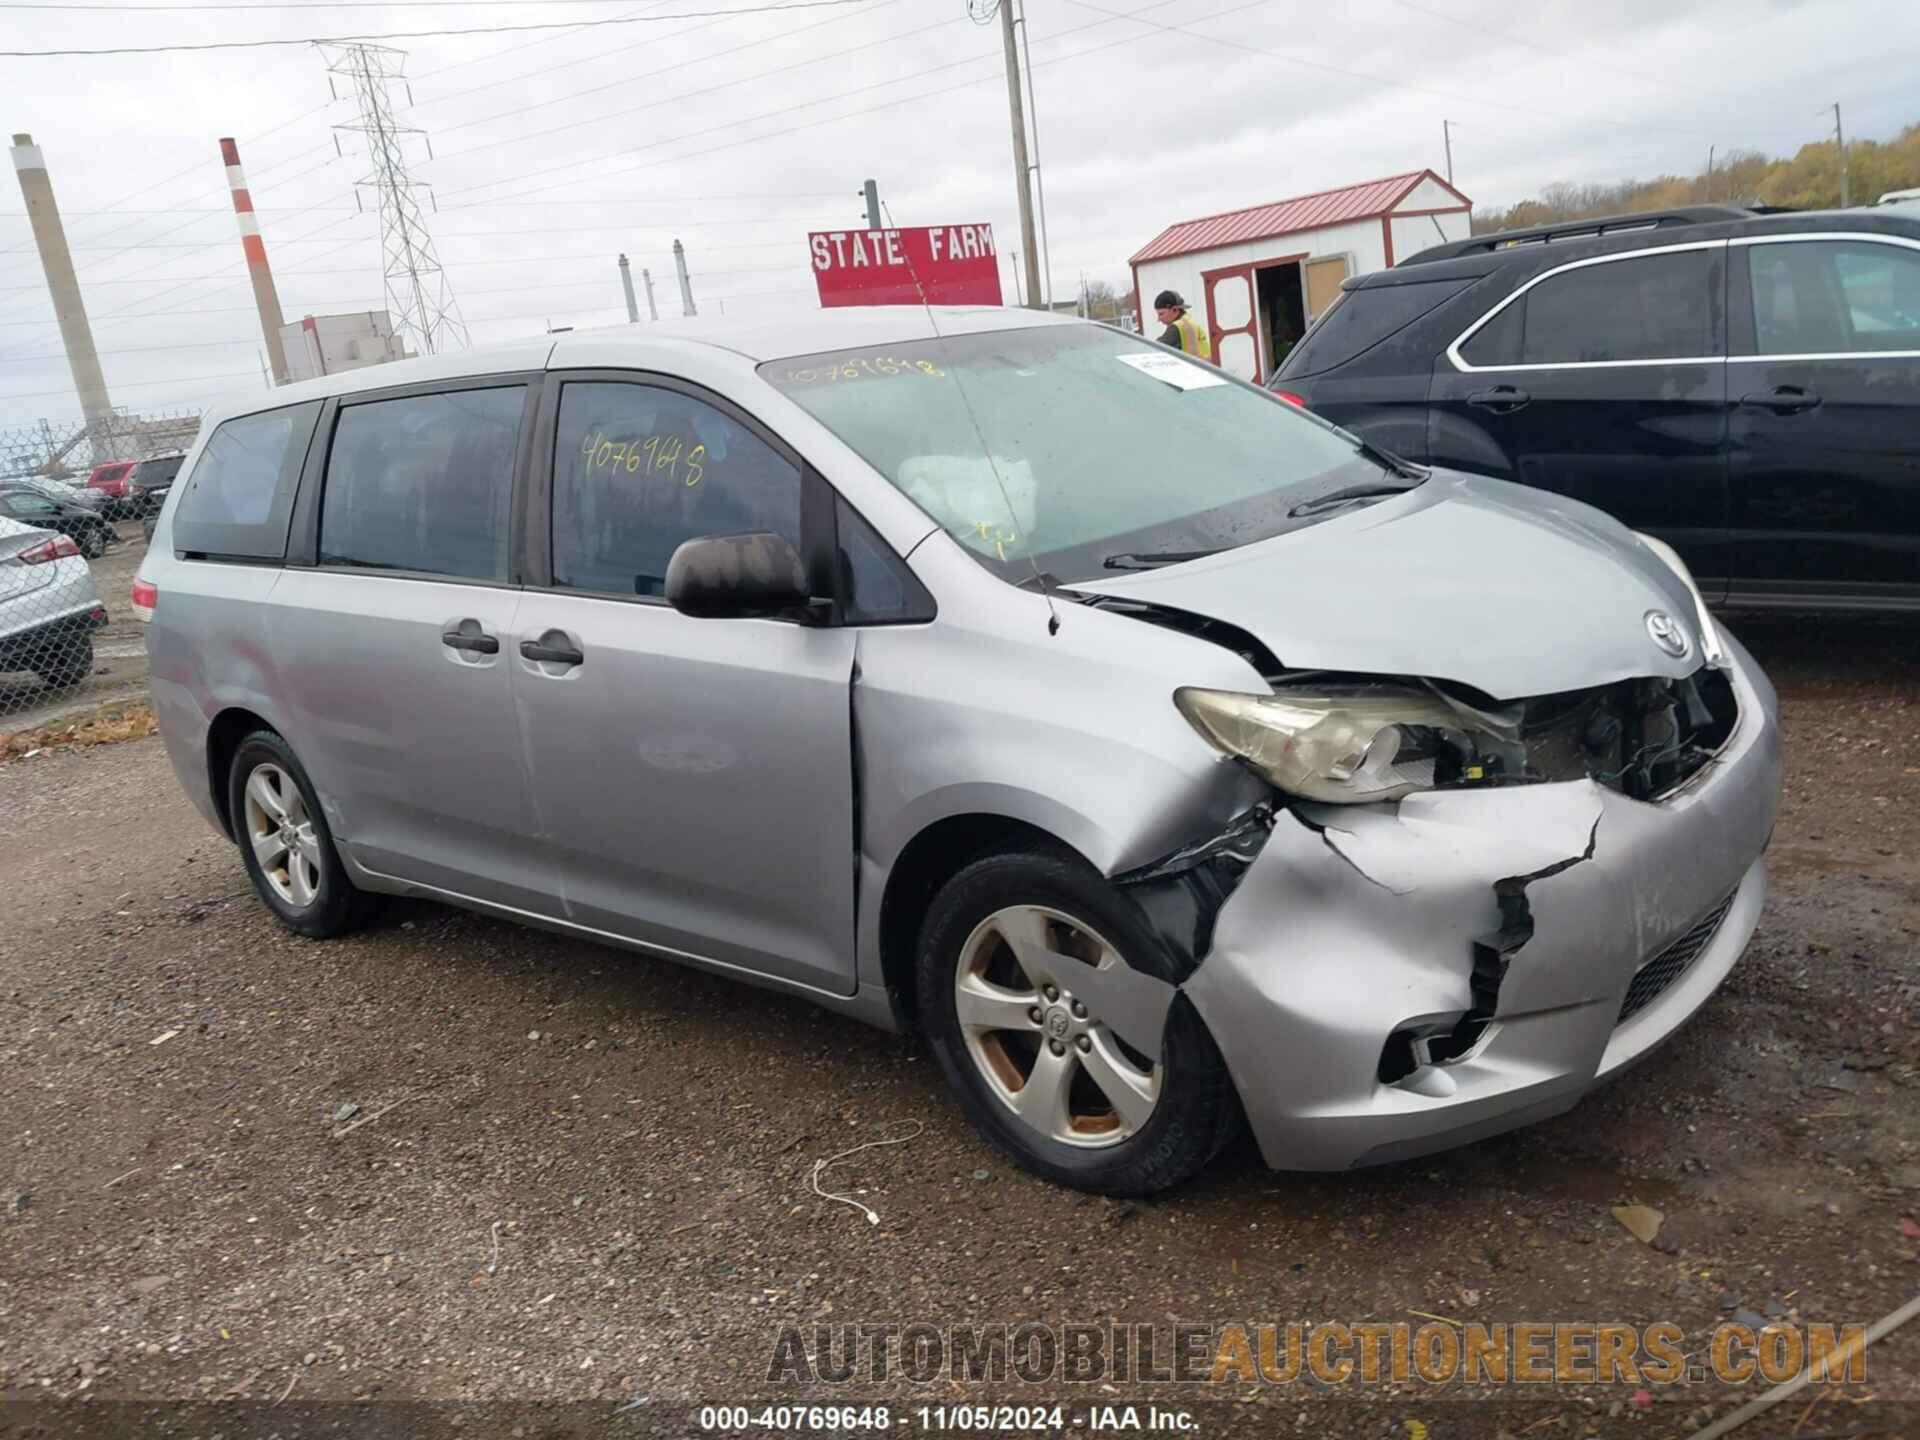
(451, 1159)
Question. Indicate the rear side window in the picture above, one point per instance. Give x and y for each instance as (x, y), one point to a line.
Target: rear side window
(1363, 318)
(423, 483)
(639, 469)
(1653, 307)
(239, 497)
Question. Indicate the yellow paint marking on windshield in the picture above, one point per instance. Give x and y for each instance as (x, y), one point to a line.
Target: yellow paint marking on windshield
(861, 367)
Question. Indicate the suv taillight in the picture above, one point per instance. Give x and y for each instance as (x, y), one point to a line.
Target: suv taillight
(57, 548)
(146, 595)
(1291, 398)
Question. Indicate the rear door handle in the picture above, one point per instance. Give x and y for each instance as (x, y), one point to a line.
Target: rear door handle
(553, 648)
(1502, 399)
(1782, 400)
(472, 641)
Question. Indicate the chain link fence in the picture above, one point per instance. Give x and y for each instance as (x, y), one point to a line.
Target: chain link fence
(76, 503)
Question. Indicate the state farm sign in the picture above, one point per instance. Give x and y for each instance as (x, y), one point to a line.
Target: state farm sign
(940, 264)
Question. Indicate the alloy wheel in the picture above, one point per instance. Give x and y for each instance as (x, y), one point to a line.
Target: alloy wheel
(1042, 1051)
(282, 835)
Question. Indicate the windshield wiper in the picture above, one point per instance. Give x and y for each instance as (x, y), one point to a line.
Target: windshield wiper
(1347, 493)
(1154, 559)
(1387, 460)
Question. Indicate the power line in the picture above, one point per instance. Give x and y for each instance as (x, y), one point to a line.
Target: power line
(426, 34)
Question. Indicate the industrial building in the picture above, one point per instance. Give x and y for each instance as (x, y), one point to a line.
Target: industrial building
(1258, 277)
(327, 344)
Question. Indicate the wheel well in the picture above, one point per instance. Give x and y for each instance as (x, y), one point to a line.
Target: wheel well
(229, 728)
(930, 859)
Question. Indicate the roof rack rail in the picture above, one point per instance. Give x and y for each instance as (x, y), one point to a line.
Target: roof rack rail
(1591, 229)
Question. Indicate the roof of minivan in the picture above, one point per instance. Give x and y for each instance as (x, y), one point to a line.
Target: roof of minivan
(754, 339)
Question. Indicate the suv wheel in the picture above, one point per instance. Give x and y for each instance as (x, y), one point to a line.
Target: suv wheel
(285, 843)
(1037, 1068)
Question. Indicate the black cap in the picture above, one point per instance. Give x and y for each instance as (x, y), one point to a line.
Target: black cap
(1169, 300)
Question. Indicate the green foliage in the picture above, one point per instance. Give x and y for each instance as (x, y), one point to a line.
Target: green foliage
(1808, 181)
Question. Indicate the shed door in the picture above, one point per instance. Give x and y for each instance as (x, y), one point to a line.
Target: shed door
(1231, 320)
(1323, 283)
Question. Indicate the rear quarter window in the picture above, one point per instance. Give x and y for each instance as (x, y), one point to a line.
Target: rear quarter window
(1362, 319)
(239, 498)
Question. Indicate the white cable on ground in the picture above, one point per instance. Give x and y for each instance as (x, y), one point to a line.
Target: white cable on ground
(1829, 1364)
(831, 1160)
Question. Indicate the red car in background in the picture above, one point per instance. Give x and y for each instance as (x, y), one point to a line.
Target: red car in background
(113, 479)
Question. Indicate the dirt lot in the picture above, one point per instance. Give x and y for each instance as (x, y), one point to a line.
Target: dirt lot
(592, 1183)
(119, 650)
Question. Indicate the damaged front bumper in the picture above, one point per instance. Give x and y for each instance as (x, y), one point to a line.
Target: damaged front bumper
(1552, 934)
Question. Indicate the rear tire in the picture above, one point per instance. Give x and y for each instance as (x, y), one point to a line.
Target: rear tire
(1174, 1112)
(69, 665)
(94, 540)
(285, 843)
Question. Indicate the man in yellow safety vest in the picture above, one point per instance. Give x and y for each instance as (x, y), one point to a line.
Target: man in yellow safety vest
(1183, 332)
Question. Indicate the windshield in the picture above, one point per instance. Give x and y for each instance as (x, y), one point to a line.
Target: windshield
(1094, 451)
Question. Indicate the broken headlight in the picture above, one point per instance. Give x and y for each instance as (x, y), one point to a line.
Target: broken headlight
(1352, 747)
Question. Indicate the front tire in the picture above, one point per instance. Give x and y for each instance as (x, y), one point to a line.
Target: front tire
(1063, 1094)
(285, 843)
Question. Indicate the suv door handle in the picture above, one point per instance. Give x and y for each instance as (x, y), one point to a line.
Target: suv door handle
(472, 641)
(562, 653)
(1782, 400)
(1502, 399)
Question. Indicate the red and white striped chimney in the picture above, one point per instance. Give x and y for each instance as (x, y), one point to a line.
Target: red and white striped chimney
(264, 295)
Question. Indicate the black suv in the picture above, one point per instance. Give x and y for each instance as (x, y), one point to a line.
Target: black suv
(1744, 386)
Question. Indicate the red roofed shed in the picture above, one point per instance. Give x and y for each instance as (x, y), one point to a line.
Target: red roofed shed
(1258, 277)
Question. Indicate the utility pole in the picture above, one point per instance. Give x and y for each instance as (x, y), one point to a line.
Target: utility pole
(686, 280)
(653, 310)
(1021, 176)
(1710, 150)
(626, 284)
(1039, 180)
(1018, 297)
(1446, 138)
(1840, 140)
(872, 192)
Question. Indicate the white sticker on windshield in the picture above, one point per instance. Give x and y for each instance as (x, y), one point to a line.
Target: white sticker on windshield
(1175, 370)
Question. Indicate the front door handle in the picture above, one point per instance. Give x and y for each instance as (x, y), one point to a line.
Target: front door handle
(552, 648)
(470, 640)
(1502, 399)
(1782, 400)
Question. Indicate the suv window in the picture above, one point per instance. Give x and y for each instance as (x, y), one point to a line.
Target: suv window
(1814, 297)
(240, 496)
(1361, 319)
(1650, 307)
(152, 474)
(423, 483)
(638, 470)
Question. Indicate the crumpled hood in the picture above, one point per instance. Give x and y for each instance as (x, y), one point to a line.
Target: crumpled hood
(1513, 591)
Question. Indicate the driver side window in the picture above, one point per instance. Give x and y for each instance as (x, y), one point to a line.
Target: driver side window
(639, 469)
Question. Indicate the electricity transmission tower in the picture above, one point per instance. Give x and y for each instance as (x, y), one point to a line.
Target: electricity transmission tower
(418, 296)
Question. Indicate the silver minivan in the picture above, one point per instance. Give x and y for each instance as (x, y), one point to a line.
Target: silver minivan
(1166, 756)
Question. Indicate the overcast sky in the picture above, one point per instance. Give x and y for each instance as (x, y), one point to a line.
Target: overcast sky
(556, 149)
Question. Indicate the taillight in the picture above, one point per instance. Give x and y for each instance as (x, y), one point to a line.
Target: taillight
(1291, 398)
(146, 595)
(57, 548)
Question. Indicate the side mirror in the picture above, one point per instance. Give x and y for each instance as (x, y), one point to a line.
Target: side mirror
(732, 576)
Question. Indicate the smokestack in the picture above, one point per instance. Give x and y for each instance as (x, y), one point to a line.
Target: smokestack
(686, 281)
(264, 295)
(626, 284)
(36, 188)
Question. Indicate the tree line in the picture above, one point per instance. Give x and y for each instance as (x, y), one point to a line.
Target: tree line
(1809, 180)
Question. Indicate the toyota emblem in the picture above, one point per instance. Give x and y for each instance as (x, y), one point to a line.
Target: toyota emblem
(1668, 633)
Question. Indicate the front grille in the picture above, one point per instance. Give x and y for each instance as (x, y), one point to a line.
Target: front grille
(1671, 963)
